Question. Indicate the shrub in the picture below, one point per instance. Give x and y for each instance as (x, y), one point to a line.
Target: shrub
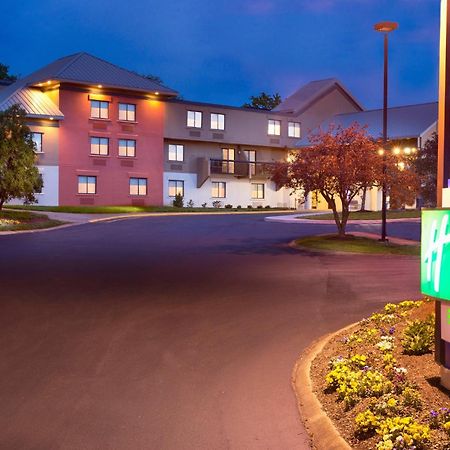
(249, 207)
(352, 379)
(402, 433)
(228, 206)
(418, 337)
(190, 204)
(217, 204)
(411, 397)
(178, 201)
(386, 344)
(260, 206)
(366, 422)
(238, 207)
(267, 206)
(204, 205)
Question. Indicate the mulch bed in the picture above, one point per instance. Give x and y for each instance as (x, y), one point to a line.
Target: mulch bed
(422, 371)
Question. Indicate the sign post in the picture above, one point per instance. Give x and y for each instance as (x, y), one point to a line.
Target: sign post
(435, 254)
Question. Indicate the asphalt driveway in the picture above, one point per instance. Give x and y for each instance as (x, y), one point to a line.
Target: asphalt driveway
(172, 332)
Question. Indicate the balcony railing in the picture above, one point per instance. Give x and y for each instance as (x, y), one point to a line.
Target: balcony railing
(240, 168)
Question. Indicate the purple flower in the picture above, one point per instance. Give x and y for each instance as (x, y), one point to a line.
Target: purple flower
(392, 330)
(433, 413)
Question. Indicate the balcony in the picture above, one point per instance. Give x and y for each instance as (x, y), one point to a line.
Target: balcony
(238, 169)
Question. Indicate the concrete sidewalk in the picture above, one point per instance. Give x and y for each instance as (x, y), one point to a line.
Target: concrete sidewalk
(299, 218)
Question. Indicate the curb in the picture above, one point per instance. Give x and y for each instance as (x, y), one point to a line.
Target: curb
(322, 432)
(319, 251)
(300, 220)
(42, 230)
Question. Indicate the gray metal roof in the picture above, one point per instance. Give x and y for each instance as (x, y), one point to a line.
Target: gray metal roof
(34, 102)
(308, 94)
(81, 68)
(87, 69)
(404, 122)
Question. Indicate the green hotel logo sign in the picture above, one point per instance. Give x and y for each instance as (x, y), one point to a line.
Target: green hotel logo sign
(435, 258)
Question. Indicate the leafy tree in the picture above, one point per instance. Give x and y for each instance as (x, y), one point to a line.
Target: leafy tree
(263, 101)
(4, 73)
(339, 164)
(19, 176)
(426, 165)
(402, 182)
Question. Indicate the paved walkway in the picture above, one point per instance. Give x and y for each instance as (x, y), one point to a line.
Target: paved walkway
(300, 218)
(172, 332)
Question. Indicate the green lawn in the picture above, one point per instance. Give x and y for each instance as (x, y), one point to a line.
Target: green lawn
(370, 215)
(24, 220)
(132, 209)
(356, 244)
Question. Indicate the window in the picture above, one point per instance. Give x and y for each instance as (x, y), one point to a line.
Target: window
(274, 127)
(99, 109)
(37, 139)
(99, 146)
(217, 121)
(138, 186)
(127, 111)
(219, 189)
(194, 119)
(87, 185)
(176, 187)
(258, 191)
(176, 152)
(127, 147)
(294, 129)
(228, 160)
(251, 158)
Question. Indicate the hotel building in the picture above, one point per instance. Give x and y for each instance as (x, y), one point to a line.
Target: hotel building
(108, 136)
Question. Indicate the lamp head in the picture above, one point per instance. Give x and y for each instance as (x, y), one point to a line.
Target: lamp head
(385, 27)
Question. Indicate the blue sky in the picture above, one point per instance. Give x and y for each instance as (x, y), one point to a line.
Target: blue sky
(226, 50)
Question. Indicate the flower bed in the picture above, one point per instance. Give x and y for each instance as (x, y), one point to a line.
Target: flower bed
(8, 222)
(380, 384)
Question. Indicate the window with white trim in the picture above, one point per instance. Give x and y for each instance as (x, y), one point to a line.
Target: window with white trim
(176, 152)
(217, 121)
(99, 109)
(99, 146)
(37, 140)
(176, 187)
(194, 119)
(87, 184)
(127, 147)
(127, 112)
(138, 186)
(294, 129)
(274, 127)
(258, 191)
(219, 189)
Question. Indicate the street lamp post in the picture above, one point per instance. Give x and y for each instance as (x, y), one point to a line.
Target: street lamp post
(385, 28)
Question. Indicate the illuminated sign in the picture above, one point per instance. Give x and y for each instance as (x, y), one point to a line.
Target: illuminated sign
(435, 258)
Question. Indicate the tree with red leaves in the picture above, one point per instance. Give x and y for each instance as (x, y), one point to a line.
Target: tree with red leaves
(339, 164)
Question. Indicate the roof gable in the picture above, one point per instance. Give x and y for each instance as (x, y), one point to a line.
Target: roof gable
(310, 93)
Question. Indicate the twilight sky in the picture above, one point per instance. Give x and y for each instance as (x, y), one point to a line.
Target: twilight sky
(223, 51)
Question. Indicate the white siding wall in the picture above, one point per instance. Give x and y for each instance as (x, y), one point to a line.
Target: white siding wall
(238, 192)
(49, 195)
